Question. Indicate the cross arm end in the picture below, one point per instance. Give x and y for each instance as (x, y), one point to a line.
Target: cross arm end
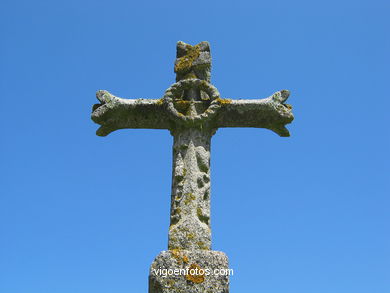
(271, 113)
(115, 113)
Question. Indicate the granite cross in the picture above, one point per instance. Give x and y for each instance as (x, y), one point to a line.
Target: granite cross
(192, 110)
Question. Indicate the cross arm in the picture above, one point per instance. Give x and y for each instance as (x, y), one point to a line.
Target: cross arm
(115, 113)
(270, 113)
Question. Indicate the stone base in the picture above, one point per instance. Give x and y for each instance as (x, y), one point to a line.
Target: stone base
(186, 271)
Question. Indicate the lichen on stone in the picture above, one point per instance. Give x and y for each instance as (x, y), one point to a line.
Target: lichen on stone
(202, 245)
(203, 218)
(189, 197)
(185, 63)
(179, 255)
(224, 101)
(195, 274)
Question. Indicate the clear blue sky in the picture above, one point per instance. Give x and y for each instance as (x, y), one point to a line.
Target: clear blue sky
(305, 214)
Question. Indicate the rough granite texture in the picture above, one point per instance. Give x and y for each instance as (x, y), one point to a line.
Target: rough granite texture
(192, 110)
(190, 202)
(202, 272)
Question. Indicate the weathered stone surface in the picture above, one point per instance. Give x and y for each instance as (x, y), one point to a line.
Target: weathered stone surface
(190, 203)
(192, 110)
(270, 113)
(193, 61)
(115, 113)
(213, 265)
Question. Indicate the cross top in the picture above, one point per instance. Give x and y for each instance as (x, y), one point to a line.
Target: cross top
(192, 110)
(193, 61)
(192, 100)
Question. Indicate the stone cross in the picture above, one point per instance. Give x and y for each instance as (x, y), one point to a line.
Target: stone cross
(192, 110)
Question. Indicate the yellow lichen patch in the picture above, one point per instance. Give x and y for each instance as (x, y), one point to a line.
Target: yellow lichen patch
(182, 102)
(185, 63)
(202, 246)
(176, 254)
(199, 212)
(160, 101)
(224, 101)
(179, 256)
(189, 197)
(195, 274)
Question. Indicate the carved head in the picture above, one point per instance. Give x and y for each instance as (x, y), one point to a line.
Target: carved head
(193, 61)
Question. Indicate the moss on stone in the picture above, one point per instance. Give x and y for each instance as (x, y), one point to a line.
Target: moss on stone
(200, 182)
(184, 63)
(206, 195)
(190, 75)
(203, 218)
